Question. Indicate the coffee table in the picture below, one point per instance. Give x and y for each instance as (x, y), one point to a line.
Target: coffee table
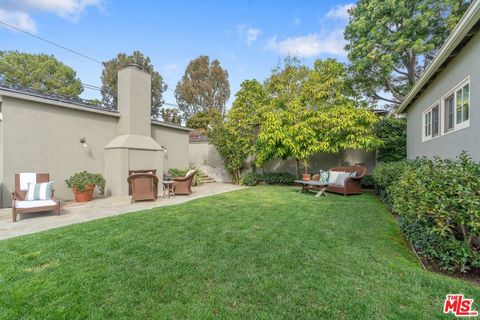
(313, 185)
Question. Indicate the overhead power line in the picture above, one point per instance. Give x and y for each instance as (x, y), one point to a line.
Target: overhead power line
(52, 43)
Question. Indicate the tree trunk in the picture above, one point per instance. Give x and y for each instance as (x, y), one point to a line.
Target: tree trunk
(297, 167)
(340, 157)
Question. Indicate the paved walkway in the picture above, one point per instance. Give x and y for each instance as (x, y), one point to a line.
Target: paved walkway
(73, 212)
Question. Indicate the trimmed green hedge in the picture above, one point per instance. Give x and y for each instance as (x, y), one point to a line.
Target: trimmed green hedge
(252, 179)
(438, 203)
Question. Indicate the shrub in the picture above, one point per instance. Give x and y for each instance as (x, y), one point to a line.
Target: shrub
(393, 134)
(197, 179)
(251, 179)
(81, 180)
(367, 182)
(439, 203)
(278, 178)
(389, 173)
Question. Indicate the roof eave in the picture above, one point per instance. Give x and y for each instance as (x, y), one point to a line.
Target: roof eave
(468, 21)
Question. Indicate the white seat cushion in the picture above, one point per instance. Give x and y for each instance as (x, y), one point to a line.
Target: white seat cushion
(332, 176)
(34, 204)
(342, 176)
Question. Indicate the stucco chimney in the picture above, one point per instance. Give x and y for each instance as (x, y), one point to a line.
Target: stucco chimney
(134, 100)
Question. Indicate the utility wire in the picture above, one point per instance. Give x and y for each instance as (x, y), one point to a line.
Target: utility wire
(52, 43)
(85, 85)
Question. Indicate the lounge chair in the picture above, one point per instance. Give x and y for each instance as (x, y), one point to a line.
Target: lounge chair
(351, 184)
(183, 185)
(20, 205)
(144, 186)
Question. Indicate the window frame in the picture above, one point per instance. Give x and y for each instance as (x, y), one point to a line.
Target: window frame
(427, 111)
(464, 124)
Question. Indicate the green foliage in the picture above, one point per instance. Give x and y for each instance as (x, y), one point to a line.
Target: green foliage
(278, 178)
(171, 115)
(40, 72)
(81, 180)
(367, 182)
(388, 174)
(393, 134)
(235, 138)
(251, 179)
(204, 119)
(110, 79)
(312, 110)
(204, 86)
(438, 203)
(449, 253)
(390, 43)
(283, 178)
(197, 179)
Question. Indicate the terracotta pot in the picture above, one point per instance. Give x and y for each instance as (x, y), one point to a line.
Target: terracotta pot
(84, 196)
(306, 177)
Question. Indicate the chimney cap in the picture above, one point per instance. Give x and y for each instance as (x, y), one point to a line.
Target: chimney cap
(135, 65)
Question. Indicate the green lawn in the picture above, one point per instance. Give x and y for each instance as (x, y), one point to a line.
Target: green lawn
(265, 252)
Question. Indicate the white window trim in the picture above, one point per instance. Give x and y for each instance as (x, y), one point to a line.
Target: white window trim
(464, 124)
(429, 109)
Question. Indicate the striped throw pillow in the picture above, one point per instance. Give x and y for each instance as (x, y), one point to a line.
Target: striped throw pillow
(39, 191)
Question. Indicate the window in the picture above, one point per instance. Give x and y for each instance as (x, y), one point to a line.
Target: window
(456, 108)
(431, 122)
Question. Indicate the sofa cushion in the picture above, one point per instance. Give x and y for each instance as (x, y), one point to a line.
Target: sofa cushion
(332, 176)
(342, 176)
(39, 191)
(34, 204)
(324, 175)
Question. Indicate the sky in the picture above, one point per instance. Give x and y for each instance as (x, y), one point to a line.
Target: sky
(248, 37)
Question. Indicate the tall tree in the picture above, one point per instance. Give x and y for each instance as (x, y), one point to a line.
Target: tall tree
(203, 119)
(313, 110)
(236, 137)
(110, 80)
(204, 86)
(390, 42)
(40, 72)
(171, 115)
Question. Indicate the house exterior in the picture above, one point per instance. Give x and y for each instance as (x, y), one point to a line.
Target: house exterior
(443, 108)
(43, 133)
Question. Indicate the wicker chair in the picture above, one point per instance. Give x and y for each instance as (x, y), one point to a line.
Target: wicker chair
(352, 184)
(20, 205)
(144, 186)
(183, 185)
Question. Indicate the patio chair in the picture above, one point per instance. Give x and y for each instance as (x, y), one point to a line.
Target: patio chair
(183, 185)
(351, 184)
(130, 172)
(20, 205)
(144, 186)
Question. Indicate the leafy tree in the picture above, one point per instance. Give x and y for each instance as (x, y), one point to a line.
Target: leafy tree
(236, 137)
(312, 110)
(204, 119)
(204, 86)
(171, 115)
(393, 134)
(390, 43)
(40, 72)
(110, 79)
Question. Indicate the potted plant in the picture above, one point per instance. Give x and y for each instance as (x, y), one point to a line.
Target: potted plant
(305, 164)
(83, 183)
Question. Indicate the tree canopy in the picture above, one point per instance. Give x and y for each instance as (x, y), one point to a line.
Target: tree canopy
(110, 79)
(310, 111)
(204, 86)
(390, 43)
(39, 71)
(171, 115)
(203, 119)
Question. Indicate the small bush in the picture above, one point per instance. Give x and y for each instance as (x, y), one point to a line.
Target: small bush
(197, 179)
(367, 182)
(251, 179)
(278, 178)
(439, 204)
(388, 174)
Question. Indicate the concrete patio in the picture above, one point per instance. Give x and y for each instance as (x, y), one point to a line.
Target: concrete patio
(73, 212)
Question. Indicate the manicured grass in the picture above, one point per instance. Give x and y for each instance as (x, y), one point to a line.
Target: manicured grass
(265, 252)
